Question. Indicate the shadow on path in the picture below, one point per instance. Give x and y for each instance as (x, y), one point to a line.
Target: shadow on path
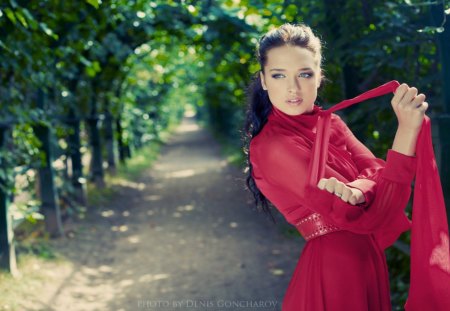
(183, 237)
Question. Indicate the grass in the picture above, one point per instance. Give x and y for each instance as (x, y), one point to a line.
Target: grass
(141, 160)
(233, 154)
(36, 259)
(232, 151)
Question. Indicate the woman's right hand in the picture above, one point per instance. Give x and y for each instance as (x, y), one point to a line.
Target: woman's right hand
(409, 107)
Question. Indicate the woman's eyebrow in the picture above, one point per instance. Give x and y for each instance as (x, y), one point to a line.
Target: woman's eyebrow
(279, 69)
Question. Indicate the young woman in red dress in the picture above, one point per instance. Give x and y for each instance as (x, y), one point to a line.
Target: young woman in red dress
(357, 207)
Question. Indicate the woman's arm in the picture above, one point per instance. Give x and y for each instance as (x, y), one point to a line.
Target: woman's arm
(409, 108)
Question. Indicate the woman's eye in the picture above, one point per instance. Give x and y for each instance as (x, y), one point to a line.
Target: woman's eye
(306, 74)
(277, 76)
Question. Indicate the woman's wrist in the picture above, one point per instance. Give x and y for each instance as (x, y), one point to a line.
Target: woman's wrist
(405, 140)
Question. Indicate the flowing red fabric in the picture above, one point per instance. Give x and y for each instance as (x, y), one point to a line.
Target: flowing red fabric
(292, 153)
(430, 259)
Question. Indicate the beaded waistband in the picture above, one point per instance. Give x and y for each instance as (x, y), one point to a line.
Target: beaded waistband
(314, 226)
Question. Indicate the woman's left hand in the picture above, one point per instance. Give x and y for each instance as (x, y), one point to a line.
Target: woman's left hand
(347, 194)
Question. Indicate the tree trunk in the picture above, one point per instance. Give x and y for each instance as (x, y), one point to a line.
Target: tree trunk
(7, 249)
(120, 142)
(109, 138)
(48, 195)
(97, 174)
(78, 181)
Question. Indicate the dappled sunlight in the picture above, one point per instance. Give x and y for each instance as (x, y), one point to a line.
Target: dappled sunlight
(188, 127)
(181, 174)
(126, 283)
(182, 208)
(122, 228)
(176, 215)
(134, 239)
(105, 269)
(153, 277)
(192, 172)
(233, 224)
(107, 213)
(277, 271)
(129, 184)
(186, 208)
(90, 271)
(153, 197)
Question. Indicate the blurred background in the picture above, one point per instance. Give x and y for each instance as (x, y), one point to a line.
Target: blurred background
(90, 90)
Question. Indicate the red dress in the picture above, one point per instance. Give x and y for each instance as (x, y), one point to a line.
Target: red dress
(344, 270)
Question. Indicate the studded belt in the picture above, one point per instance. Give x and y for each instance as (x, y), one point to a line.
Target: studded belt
(314, 226)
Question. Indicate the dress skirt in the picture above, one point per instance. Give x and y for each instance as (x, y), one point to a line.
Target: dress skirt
(339, 271)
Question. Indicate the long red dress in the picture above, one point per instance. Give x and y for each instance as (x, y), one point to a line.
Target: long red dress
(343, 270)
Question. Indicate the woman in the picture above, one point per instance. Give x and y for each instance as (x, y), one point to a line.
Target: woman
(357, 208)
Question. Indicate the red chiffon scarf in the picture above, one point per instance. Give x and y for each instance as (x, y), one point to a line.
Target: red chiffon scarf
(430, 259)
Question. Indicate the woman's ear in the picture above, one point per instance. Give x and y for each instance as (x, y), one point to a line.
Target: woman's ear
(263, 80)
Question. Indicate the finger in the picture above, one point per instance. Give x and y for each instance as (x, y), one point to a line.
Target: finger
(346, 194)
(418, 101)
(321, 184)
(357, 197)
(399, 93)
(408, 97)
(423, 107)
(330, 184)
(338, 188)
(352, 200)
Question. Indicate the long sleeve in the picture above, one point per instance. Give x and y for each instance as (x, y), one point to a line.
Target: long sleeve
(386, 186)
(280, 165)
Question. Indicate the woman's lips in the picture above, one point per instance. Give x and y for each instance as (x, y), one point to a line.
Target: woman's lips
(294, 101)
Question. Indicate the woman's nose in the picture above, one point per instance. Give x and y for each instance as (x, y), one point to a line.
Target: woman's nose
(293, 86)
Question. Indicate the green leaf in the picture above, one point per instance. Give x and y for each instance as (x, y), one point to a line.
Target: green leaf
(31, 21)
(93, 69)
(85, 61)
(431, 30)
(94, 3)
(13, 4)
(2, 45)
(10, 14)
(96, 66)
(48, 31)
(21, 19)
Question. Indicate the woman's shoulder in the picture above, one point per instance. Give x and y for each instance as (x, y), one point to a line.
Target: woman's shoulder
(339, 126)
(274, 143)
(271, 135)
(336, 119)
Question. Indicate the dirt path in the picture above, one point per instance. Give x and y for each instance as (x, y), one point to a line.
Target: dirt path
(183, 237)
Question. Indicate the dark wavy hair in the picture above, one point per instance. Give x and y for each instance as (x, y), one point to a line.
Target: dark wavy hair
(258, 102)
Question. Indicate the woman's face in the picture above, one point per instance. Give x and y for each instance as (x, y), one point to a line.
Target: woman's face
(291, 77)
